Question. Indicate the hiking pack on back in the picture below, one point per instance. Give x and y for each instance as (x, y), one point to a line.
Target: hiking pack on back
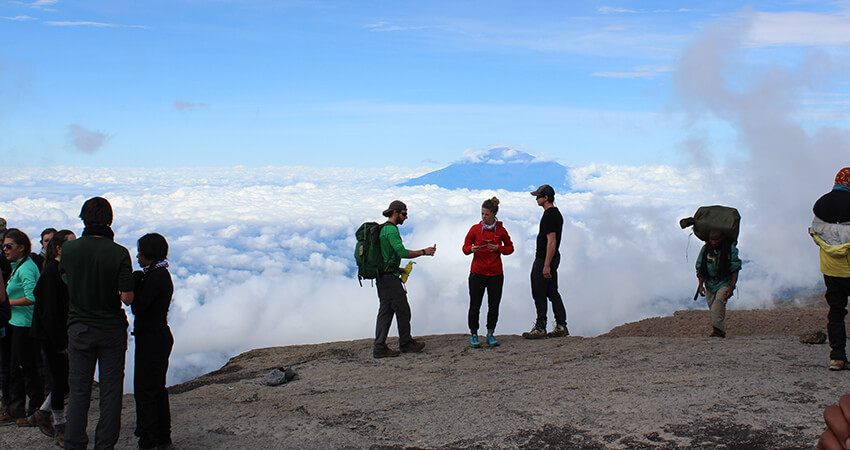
(367, 252)
(716, 217)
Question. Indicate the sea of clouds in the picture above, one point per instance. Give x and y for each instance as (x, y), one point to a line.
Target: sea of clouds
(264, 257)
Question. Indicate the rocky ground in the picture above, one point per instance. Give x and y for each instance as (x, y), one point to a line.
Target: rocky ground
(657, 383)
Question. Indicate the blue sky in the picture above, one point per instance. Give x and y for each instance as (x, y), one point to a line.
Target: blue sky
(374, 84)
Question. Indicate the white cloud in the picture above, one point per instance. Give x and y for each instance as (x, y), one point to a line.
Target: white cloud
(799, 28)
(37, 4)
(20, 18)
(384, 26)
(613, 10)
(474, 155)
(189, 106)
(637, 72)
(84, 23)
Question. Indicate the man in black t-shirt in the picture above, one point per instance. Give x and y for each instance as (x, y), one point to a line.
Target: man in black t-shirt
(544, 271)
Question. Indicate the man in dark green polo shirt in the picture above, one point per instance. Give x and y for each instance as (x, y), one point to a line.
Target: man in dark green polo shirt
(99, 275)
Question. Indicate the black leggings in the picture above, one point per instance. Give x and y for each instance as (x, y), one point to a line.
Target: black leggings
(477, 285)
(837, 292)
(57, 366)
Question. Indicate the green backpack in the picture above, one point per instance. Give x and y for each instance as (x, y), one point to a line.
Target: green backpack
(367, 252)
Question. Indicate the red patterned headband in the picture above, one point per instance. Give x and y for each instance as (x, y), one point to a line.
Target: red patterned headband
(843, 177)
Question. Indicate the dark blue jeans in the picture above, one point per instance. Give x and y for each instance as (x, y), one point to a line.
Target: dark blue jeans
(89, 346)
(545, 290)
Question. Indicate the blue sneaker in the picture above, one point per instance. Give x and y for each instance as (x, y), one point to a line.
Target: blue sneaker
(491, 340)
(473, 341)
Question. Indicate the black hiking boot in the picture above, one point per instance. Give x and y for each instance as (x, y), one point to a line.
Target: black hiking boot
(412, 347)
(385, 352)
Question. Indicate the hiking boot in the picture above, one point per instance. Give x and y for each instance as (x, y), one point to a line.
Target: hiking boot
(491, 340)
(25, 422)
(717, 332)
(837, 364)
(385, 352)
(59, 435)
(6, 419)
(412, 347)
(42, 420)
(559, 331)
(535, 333)
(473, 341)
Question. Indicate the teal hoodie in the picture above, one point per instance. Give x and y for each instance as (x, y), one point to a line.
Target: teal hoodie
(21, 284)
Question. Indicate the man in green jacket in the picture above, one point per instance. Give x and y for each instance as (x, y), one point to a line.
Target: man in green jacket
(717, 267)
(391, 292)
(99, 275)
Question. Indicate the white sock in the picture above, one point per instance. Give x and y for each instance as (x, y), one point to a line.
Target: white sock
(46, 405)
(58, 416)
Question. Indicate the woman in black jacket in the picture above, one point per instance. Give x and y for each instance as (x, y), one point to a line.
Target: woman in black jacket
(50, 327)
(151, 299)
(5, 309)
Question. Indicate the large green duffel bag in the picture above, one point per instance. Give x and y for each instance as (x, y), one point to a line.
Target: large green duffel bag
(716, 217)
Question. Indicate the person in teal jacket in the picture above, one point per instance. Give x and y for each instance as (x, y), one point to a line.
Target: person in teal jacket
(391, 292)
(717, 271)
(24, 380)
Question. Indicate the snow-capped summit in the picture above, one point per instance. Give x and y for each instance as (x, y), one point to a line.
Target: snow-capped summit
(497, 168)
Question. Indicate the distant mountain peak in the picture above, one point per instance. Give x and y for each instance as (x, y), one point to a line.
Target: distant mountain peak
(496, 168)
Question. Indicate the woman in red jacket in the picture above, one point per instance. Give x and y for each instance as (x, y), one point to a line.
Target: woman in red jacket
(488, 241)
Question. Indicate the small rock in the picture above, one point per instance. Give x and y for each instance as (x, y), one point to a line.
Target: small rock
(813, 337)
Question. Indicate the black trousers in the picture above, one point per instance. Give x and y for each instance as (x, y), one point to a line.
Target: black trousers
(153, 414)
(477, 285)
(393, 300)
(57, 368)
(837, 291)
(24, 380)
(545, 290)
(5, 363)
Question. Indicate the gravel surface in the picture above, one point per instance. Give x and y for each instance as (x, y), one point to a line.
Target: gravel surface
(656, 383)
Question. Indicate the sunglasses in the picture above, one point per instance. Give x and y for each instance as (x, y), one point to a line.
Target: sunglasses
(7, 246)
(403, 213)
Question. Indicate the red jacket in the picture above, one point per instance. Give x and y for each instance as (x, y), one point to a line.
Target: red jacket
(486, 262)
